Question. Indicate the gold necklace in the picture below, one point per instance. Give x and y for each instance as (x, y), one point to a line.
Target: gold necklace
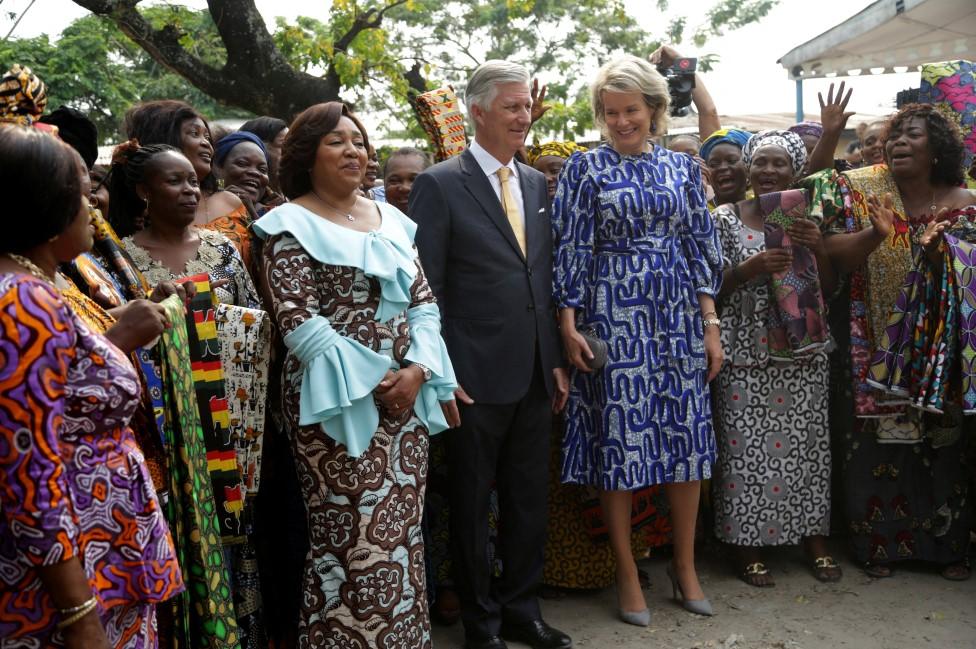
(348, 215)
(31, 267)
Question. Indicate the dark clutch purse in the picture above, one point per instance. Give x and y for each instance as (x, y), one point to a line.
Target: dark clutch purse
(598, 347)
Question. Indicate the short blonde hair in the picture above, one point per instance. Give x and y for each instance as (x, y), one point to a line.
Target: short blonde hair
(631, 74)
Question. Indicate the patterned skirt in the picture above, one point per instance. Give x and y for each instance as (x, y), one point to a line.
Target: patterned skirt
(364, 583)
(773, 481)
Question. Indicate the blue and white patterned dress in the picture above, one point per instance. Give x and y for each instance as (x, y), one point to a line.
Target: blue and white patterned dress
(635, 245)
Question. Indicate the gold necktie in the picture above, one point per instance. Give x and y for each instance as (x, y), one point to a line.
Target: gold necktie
(511, 209)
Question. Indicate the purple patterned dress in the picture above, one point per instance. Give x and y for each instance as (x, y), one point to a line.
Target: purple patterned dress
(73, 481)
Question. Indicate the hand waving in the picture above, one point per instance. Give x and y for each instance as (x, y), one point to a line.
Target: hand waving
(538, 95)
(833, 112)
(882, 214)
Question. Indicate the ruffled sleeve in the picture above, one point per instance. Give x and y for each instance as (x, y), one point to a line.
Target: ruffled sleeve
(574, 221)
(338, 378)
(37, 342)
(699, 236)
(427, 348)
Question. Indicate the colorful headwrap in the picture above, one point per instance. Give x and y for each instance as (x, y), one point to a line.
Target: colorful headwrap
(229, 141)
(951, 85)
(807, 128)
(22, 96)
(787, 140)
(559, 149)
(733, 136)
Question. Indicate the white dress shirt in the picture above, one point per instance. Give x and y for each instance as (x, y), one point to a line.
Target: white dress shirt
(490, 166)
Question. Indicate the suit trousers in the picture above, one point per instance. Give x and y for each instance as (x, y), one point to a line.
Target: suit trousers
(506, 445)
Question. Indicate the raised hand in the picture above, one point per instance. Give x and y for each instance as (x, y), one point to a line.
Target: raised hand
(833, 112)
(934, 234)
(882, 214)
(664, 56)
(539, 107)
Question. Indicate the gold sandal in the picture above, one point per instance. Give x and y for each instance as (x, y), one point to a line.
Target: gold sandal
(757, 569)
(827, 570)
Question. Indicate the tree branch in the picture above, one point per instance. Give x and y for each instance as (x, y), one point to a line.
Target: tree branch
(256, 76)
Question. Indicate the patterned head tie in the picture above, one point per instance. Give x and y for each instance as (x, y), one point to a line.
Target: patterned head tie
(22, 96)
(734, 136)
(558, 149)
(807, 128)
(791, 142)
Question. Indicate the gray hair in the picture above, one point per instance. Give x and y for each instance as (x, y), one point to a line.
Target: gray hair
(484, 81)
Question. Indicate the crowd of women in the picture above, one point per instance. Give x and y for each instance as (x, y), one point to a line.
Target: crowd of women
(223, 375)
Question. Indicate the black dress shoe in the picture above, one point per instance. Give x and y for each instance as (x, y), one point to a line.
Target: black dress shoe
(537, 634)
(491, 642)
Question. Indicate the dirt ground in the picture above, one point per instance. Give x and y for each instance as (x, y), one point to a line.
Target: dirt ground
(914, 609)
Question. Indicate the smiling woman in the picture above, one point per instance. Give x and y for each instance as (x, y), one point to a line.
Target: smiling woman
(179, 125)
(636, 245)
(354, 308)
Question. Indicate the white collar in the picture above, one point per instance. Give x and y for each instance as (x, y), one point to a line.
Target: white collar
(490, 164)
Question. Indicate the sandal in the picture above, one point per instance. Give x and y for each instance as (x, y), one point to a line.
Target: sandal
(756, 574)
(877, 570)
(827, 570)
(958, 571)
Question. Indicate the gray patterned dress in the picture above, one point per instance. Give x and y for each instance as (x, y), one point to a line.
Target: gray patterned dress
(772, 484)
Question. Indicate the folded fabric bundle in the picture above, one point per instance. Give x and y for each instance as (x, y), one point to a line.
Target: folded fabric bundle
(928, 344)
(245, 354)
(797, 323)
(440, 117)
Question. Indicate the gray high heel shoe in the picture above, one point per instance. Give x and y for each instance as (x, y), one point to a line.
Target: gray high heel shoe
(637, 618)
(696, 606)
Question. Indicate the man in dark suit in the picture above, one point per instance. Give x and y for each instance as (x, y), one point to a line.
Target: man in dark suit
(486, 245)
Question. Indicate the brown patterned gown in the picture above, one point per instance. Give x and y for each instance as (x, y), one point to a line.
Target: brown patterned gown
(364, 583)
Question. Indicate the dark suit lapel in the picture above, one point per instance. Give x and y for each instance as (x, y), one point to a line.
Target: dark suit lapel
(480, 188)
(535, 234)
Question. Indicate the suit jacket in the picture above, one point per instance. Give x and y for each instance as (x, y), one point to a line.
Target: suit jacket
(496, 304)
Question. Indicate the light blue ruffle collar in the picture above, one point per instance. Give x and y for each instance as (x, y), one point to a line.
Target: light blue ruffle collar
(386, 254)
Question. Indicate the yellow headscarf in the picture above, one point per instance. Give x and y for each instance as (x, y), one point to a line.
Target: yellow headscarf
(559, 149)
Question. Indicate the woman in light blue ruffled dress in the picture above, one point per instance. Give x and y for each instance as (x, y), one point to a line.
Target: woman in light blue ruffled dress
(366, 380)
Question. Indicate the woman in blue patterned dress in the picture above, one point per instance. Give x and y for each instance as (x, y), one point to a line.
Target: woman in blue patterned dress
(638, 261)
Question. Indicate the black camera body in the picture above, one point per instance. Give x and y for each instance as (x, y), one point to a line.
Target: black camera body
(681, 81)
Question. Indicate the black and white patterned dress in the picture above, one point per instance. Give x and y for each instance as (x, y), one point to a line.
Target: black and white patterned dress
(772, 484)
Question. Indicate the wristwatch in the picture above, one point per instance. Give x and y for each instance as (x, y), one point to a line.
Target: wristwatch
(426, 371)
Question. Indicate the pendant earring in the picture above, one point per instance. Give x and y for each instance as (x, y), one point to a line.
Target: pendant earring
(653, 129)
